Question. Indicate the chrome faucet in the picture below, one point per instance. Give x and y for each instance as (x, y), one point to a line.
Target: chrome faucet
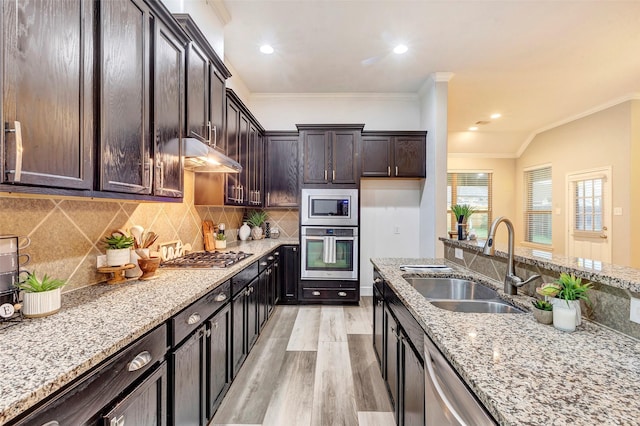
(511, 280)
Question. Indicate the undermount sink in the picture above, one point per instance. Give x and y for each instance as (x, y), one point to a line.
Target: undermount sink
(451, 288)
(459, 295)
(477, 306)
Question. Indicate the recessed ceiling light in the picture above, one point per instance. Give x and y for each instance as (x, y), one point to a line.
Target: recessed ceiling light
(473, 128)
(266, 49)
(400, 49)
(496, 115)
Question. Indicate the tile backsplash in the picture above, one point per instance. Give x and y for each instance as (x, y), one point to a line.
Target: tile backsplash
(66, 234)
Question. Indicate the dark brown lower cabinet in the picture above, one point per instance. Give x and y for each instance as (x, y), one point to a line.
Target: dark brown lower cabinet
(253, 321)
(238, 349)
(391, 355)
(145, 405)
(288, 274)
(412, 391)
(218, 351)
(378, 327)
(187, 363)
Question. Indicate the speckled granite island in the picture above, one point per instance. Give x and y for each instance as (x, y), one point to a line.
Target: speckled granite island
(39, 356)
(525, 372)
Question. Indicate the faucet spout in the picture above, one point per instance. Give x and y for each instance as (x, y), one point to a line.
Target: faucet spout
(511, 280)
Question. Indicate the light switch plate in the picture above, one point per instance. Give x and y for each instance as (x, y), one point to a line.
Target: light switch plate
(617, 211)
(635, 310)
(101, 261)
(458, 253)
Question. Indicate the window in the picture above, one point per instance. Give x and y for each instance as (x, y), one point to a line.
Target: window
(537, 212)
(588, 200)
(473, 189)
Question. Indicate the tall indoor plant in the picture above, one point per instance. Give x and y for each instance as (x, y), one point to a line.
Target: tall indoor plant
(462, 213)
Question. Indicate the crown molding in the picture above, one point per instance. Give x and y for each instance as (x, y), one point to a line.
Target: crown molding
(220, 10)
(481, 155)
(601, 107)
(342, 95)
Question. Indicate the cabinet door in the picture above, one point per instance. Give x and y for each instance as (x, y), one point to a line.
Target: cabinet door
(252, 307)
(254, 169)
(125, 136)
(393, 361)
(263, 297)
(344, 164)
(243, 158)
(289, 274)
(378, 328)
(238, 345)
(168, 104)
(232, 194)
(376, 156)
(316, 153)
(217, 108)
(197, 92)
(409, 156)
(412, 386)
(145, 405)
(188, 381)
(281, 171)
(218, 355)
(47, 87)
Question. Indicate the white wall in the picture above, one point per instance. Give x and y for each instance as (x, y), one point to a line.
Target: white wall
(385, 205)
(376, 111)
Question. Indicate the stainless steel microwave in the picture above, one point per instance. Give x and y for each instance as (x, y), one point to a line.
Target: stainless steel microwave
(329, 207)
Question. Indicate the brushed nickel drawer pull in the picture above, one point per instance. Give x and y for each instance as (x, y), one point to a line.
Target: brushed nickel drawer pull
(388, 170)
(270, 258)
(193, 319)
(17, 129)
(333, 176)
(316, 293)
(117, 421)
(142, 359)
(325, 175)
(263, 263)
(396, 170)
(51, 423)
(220, 297)
(342, 294)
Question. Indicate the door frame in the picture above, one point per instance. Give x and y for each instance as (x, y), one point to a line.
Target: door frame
(607, 215)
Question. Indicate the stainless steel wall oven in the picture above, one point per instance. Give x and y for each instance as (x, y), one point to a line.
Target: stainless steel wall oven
(329, 253)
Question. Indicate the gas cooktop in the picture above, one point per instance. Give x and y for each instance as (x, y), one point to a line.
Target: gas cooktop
(205, 259)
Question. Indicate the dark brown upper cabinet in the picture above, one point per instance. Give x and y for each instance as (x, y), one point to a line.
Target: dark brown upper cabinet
(205, 82)
(394, 154)
(47, 93)
(281, 169)
(244, 137)
(330, 154)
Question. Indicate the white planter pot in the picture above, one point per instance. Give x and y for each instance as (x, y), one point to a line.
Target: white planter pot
(256, 233)
(221, 244)
(38, 305)
(118, 257)
(244, 232)
(566, 316)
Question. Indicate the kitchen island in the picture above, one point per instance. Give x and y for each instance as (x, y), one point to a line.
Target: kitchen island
(40, 356)
(524, 372)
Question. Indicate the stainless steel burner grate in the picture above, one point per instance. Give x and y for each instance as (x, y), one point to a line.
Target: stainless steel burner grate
(204, 259)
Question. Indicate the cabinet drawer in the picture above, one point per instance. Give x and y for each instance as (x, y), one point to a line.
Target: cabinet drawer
(265, 261)
(330, 294)
(187, 321)
(244, 277)
(83, 401)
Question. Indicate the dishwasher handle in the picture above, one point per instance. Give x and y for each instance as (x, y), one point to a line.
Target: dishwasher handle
(436, 384)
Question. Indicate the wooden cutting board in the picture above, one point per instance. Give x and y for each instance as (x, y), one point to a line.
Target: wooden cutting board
(208, 231)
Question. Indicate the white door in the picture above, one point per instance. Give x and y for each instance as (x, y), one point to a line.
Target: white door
(589, 216)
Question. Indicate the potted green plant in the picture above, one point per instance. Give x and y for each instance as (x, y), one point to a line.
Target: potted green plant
(542, 311)
(255, 219)
(41, 297)
(221, 241)
(567, 292)
(462, 213)
(118, 248)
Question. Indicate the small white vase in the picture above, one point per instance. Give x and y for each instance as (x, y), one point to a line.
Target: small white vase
(566, 314)
(118, 257)
(244, 232)
(256, 233)
(41, 304)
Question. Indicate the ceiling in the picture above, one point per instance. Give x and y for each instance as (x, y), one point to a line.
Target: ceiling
(538, 63)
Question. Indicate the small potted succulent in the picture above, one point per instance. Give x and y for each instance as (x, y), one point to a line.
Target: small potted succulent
(542, 311)
(566, 291)
(118, 248)
(221, 241)
(255, 219)
(41, 297)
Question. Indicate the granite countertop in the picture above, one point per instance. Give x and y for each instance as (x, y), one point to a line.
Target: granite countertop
(606, 273)
(525, 372)
(39, 356)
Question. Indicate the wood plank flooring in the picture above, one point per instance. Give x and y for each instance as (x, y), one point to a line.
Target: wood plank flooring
(311, 366)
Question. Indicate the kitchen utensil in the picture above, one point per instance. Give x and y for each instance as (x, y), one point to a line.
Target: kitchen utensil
(148, 267)
(144, 254)
(149, 239)
(208, 229)
(136, 232)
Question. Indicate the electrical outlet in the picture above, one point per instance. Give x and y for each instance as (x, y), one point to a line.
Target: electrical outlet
(635, 310)
(459, 254)
(396, 229)
(101, 260)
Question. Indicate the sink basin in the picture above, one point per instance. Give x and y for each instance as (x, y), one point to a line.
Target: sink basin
(477, 306)
(451, 288)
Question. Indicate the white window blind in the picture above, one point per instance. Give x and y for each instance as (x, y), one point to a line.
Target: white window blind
(538, 205)
(473, 189)
(588, 204)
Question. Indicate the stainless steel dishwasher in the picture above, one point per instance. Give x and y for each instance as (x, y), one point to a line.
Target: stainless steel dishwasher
(448, 401)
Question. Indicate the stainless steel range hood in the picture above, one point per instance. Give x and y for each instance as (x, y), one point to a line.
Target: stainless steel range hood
(201, 157)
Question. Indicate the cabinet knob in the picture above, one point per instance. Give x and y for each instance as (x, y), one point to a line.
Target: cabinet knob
(378, 280)
(342, 294)
(140, 360)
(194, 318)
(316, 293)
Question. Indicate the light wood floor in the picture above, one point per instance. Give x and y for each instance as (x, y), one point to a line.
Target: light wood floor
(311, 366)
